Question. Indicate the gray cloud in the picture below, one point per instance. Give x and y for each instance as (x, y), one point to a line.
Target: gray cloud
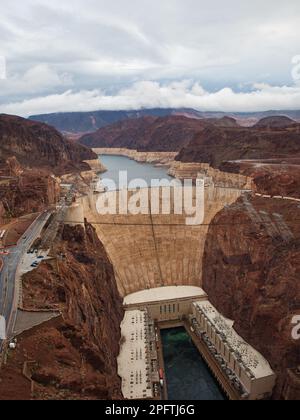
(59, 51)
(152, 94)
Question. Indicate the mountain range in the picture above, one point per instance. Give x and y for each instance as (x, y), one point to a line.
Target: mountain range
(86, 122)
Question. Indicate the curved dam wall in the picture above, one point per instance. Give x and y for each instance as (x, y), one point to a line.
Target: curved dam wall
(149, 251)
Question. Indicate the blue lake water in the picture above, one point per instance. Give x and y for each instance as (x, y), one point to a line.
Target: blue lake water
(135, 170)
(187, 375)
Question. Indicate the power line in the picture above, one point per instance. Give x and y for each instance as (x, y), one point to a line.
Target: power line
(177, 224)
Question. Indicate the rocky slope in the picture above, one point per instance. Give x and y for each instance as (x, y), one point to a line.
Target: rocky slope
(212, 140)
(74, 357)
(276, 177)
(251, 273)
(150, 134)
(166, 134)
(30, 192)
(275, 122)
(38, 145)
(216, 145)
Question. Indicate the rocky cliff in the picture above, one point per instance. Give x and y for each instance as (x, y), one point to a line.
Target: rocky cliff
(38, 145)
(75, 356)
(147, 134)
(26, 190)
(251, 274)
(278, 177)
(216, 145)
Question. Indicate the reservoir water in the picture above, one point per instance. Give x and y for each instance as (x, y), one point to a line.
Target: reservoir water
(135, 170)
(187, 375)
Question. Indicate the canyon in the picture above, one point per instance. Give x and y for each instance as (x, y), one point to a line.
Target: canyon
(211, 141)
(32, 157)
(239, 255)
(77, 123)
(269, 152)
(244, 254)
(251, 273)
(73, 356)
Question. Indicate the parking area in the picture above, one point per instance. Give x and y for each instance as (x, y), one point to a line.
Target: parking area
(32, 260)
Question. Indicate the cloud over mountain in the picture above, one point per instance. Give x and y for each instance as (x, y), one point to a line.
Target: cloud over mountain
(155, 95)
(95, 53)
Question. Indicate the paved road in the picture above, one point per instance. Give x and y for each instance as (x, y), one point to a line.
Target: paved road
(9, 295)
(278, 197)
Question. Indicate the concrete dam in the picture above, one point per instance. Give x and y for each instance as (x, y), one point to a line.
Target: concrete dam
(157, 258)
(154, 250)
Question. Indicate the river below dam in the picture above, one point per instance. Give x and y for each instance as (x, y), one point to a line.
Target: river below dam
(135, 170)
(187, 375)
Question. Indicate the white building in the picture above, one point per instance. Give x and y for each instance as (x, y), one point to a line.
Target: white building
(166, 303)
(137, 362)
(247, 369)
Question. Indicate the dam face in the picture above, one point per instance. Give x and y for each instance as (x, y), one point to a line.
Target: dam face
(149, 251)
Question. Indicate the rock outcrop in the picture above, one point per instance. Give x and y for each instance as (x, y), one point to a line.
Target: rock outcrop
(27, 191)
(74, 357)
(251, 272)
(279, 177)
(216, 145)
(38, 145)
(147, 134)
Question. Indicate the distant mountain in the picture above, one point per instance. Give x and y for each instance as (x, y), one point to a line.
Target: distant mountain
(87, 122)
(275, 122)
(163, 134)
(222, 122)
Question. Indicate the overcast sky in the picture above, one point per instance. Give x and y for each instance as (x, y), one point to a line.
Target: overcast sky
(233, 55)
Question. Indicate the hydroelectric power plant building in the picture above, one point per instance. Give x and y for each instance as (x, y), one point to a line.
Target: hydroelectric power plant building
(241, 371)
